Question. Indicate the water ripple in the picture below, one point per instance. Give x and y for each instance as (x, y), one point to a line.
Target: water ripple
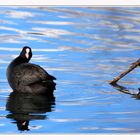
(109, 128)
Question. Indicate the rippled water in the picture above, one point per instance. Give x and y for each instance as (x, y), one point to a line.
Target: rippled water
(84, 48)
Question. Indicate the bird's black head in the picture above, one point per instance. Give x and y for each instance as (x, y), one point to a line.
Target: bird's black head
(26, 53)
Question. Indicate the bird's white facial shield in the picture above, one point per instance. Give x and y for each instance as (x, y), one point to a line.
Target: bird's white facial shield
(27, 53)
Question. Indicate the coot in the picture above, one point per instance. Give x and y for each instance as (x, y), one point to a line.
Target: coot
(24, 77)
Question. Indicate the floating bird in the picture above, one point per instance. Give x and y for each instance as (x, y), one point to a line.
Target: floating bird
(25, 77)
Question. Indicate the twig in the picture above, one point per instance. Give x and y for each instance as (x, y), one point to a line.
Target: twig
(134, 65)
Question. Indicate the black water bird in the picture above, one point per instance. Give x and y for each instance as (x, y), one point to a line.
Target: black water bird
(25, 77)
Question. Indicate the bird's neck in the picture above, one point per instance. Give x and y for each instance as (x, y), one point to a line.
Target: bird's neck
(19, 60)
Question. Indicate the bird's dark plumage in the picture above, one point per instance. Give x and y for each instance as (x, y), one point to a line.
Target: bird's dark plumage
(25, 77)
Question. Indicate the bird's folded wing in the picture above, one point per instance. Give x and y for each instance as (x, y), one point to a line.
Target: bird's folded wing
(31, 73)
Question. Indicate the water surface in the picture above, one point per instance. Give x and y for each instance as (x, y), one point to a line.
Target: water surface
(84, 48)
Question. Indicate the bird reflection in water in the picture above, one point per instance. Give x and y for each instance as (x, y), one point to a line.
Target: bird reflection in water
(26, 107)
(126, 90)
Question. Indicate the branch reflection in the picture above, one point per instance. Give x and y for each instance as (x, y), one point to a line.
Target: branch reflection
(126, 90)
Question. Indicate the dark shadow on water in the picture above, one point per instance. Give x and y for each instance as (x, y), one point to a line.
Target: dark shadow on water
(126, 90)
(26, 107)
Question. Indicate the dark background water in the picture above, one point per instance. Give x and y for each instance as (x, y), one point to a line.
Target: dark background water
(85, 48)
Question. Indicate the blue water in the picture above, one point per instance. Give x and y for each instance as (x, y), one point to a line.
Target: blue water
(84, 48)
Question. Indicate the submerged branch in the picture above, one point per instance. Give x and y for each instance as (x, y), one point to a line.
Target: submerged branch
(134, 65)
